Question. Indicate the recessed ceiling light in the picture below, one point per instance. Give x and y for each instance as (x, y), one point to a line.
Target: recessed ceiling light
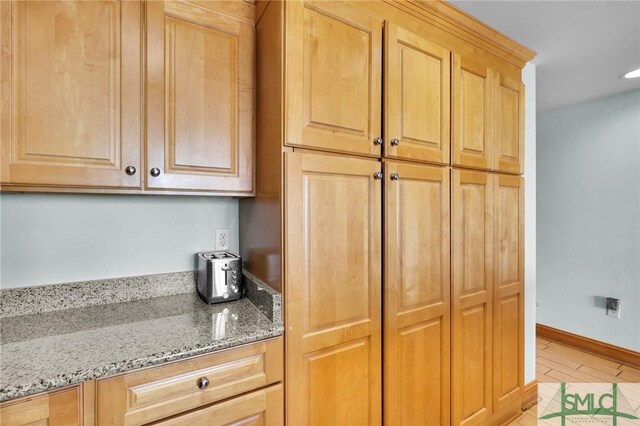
(632, 74)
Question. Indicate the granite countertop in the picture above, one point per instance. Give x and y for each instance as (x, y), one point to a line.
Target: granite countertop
(47, 350)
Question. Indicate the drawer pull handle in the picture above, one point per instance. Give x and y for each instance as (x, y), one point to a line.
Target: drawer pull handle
(203, 382)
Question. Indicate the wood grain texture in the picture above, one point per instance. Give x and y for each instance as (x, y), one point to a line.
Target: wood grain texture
(333, 284)
(471, 296)
(434, 28)
(508, 294)
(530, 394)
(417, 301)
(508, 147)
(200, 95)
(71, 93)
(333, 94)
(58, 408)
(473, 114)
(148, 395)
(261, 217)
(260, 408)
(417, 97)
(602, 349)
(475, 31)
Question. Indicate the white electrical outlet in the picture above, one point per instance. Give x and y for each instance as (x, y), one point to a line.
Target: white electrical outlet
(223, 240)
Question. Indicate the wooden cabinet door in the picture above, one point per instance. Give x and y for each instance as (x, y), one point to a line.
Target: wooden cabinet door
(200, 96)
(473, 115)
(508, 146)
(332, 290)
(333, 77)
(59, 408)
(70, 90)
(471, 298)
(508, 313)
(260, 408)
(417, 97)
(416, 310)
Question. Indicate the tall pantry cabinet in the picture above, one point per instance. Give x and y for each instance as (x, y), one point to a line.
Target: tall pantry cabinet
(388, 210)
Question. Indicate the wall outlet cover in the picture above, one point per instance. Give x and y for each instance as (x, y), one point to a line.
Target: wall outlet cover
(223, 239)
(613, 307)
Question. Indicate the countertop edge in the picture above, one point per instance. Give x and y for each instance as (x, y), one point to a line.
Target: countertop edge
(121, 367)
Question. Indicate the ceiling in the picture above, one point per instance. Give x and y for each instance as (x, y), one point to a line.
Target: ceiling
(583, 46)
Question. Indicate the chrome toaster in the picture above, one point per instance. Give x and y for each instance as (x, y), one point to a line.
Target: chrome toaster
(219, 276)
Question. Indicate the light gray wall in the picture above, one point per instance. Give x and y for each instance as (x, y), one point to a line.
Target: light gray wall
(47, 239)
(529, 79)
(589, 218)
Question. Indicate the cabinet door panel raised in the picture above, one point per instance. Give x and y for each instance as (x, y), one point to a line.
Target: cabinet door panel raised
(332, 302)
(471, 298)
(508, 319)
(333, 77)
(509, 127)
(417, 97)
(200, 98)
(417, 295)
(472, 113)
(71, 93)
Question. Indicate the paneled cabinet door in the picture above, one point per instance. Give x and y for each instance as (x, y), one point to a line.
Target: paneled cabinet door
(333, 281)
(471, 298)
(59, 408)
(70, 91)
(200, 96)
(417, 97)
(508, 314)
(473, 114)
(417, 286)
(333, 77)
(508, 144)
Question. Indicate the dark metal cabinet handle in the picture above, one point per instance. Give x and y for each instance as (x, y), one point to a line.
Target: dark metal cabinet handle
(130, 170)
(203, 382)
(395, 142)
(377, 175)
(377, 141)
(394, 176)
(155, 172)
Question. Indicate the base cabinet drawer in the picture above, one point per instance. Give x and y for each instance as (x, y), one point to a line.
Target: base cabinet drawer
(263, 407)
(53, 409)
(157, 393)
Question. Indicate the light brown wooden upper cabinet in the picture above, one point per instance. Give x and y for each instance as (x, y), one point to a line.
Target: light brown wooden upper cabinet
(333, 77)
(488, 118)
(508, 296)
(509, 125)
(417, 97)
(333, 306)
(472, 137)
(70, 90)
(471, 297)
(416, 310)
(200, 96)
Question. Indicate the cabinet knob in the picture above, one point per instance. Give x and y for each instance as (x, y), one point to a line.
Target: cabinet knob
(377, 175)
(394, 176)
(203, 382)
(130, 170)
(377, 141)
(395, 142)
(155, 172)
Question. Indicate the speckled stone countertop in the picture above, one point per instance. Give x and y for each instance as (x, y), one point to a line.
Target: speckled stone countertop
(47, 350)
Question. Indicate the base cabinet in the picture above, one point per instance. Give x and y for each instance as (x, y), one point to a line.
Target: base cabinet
(260, 408)
(60, 408)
